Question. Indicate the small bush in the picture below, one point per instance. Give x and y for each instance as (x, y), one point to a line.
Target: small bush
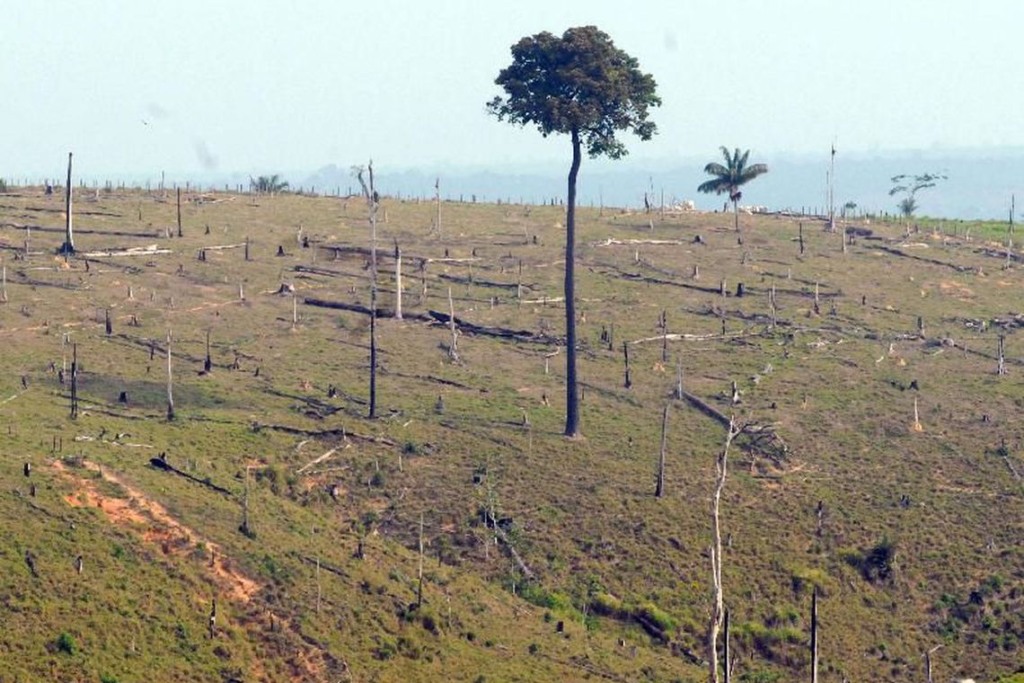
(66, 644)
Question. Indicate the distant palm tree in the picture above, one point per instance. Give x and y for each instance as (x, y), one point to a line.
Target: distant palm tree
(731, 176)
(268, 184)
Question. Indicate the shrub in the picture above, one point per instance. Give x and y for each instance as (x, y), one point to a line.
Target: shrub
(65, 643)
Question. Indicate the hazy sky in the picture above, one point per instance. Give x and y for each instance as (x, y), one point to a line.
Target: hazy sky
(191, 87)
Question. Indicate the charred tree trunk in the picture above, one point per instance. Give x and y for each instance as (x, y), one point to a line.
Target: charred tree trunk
(74, 381)
(814, 635)
(398, 281)
(178, 193)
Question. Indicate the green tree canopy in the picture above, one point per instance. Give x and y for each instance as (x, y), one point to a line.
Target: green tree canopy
(579, 82)
(581, 85)
(908, 186)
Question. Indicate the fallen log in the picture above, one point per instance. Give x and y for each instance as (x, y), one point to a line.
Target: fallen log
(775, 449)
(924, 259)
(151, 250)
(483, 283)
(612, 242)
(358, 308)
(500, 332)
(340, 431)
(161, 463)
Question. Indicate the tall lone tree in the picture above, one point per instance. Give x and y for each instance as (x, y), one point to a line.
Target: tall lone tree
(728, 178)
(581, 85)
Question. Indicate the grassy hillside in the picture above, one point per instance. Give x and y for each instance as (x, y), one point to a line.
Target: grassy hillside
(910, 532)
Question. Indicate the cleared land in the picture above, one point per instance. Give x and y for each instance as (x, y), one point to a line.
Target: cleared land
(910, 531)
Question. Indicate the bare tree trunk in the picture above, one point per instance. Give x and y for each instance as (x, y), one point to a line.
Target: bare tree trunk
(178, 193)
(372, 201)
(659, 489)
(69, 241)
(814, 635)
(3, 284)
(1001, 363)
(928, 663)
(208, 361)
(419, 585)
(74, 381)
(453, 350)
(572, 408)
(717, 609)
(246, 527)
(398, 281)
(319, 591)
(170, 392)
(725, 649)
(627, 379)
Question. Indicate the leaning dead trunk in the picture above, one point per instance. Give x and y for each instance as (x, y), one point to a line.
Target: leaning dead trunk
(717, 608)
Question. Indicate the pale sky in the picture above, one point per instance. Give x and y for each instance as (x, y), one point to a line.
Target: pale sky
(191, 87)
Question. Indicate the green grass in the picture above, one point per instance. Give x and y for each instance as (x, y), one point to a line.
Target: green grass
(605, 555)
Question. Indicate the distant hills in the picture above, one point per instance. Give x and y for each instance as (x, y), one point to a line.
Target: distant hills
(979, 185)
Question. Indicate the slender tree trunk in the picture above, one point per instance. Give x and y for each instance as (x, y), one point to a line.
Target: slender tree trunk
(659, 489)
(74, 381)
(419, 583)
(69, 241)
(178, 194)
(170, 393)
(398, 281)
(736, 214)
(725, 648)
(717, 608)
(572, 408)
(814, 636)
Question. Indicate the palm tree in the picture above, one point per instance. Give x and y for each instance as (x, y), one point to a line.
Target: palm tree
(731, 176)
(271, 184)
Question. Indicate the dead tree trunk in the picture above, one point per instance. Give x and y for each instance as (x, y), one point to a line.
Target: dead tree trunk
(178, 193)
(3, 284)
(373, 203)
(717, 608)
(419, 583)
(69, 241)
(170, 385)
(725, 649)
(398, 281)
(814, 635)
(246, 526)
(74, 381)
(659, 489)
(679, 379)
(1001, 363)
(453, 350)
(928, 663)
(208, 361)
(628, 382)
